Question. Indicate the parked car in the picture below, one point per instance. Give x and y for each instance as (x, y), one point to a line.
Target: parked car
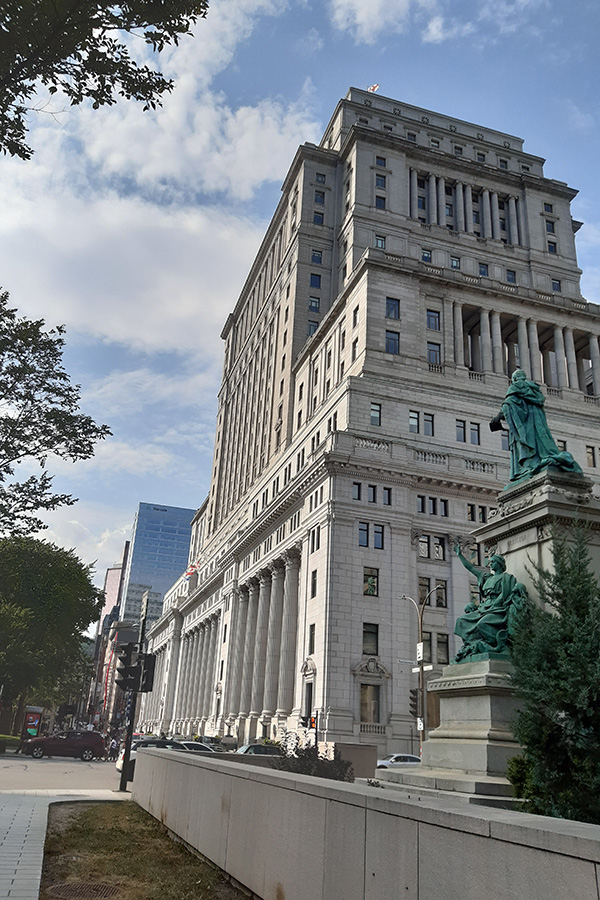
(398, 759)
(84, 745)
(260, 749)
(198, 747)
(161, 743)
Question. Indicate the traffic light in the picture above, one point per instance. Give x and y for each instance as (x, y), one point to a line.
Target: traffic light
(128, 673)
(312, 722)
(303, 720)
(414, 702)
(147, 661)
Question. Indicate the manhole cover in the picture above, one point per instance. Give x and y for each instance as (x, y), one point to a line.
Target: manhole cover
(83, 890)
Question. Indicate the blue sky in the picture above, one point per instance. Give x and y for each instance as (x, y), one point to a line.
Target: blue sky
(136, 230)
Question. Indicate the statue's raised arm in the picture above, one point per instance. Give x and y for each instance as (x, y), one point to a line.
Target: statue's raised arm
(475, 570)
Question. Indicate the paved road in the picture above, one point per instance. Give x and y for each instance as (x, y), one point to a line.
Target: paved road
(22, 773)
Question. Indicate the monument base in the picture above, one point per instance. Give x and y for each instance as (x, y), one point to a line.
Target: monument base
(468, 753)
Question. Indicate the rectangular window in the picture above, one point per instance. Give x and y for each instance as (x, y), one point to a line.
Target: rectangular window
(444, 508)
(411, 136)
(387, 496)
(320, 178)
(471, 512)
(424, 588)
(318, 218)
(413, 422)
(461, 431)
(355, 316)
(443, 657)
(320, 197)
(420, 503)
(370, 582)
(380, 161)
(354, 349)
(312, 327)
(433, 319)
(426, 646)
(449, 211)
(482, 514)
(556, 285)
(562, 445)
(424, 550)
(315, 280)
(428, 424)
(315, 539)
(503, 163)
(455, 262)
(421, 203)
(511, 276)
(314, 304)
(439, 548)
(483, 269)
(378, 537)
(379, 202)
(425, 255)
(590, 453)
(316, 257)
(480, 157)
(372, 493)
(441, 593)
(370, 639)
(550, 227)
(380, 181)
(434, 353)
(392, 308)
(313, 583)
(504, 439)
(376, 414)
(369, 703)
(392, 342)
(458, 151)
(363, 534)
(311, 639)
(547, 207)
(432, 506)
(356, 490)
(379, 242)
(474, 432)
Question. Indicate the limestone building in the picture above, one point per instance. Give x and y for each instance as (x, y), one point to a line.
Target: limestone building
(413, 262)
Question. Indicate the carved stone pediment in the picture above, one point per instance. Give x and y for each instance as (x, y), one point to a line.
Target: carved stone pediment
(371, 666)
(308, 667)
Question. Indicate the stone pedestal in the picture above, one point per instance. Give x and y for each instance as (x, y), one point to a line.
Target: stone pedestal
(477, 706)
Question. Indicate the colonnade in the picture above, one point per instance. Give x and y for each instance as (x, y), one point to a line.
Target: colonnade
(261, 670)
(465, 199)
(557, 355)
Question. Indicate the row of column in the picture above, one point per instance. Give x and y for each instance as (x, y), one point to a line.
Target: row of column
(462, 199)
(483, 349)
(196, 674)
(260, 682)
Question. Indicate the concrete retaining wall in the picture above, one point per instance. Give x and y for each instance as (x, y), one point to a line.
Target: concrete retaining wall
(292, 837)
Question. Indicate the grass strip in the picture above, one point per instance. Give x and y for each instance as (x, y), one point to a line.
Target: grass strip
(120, 844)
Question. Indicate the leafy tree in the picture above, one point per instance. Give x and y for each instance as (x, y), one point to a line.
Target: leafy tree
(48, 595)
(39, 416)
(556, 654)
(76, 46)
(307, 761)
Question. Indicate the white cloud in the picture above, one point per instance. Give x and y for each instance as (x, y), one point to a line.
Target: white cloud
(580, 119)
(126, 392)
(439, 30)
(365, 21)
(310, 43)
(509, 16)
(118, 456)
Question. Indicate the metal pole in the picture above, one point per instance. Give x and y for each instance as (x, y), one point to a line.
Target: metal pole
(420, 608)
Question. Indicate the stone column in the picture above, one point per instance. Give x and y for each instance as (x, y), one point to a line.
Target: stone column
(414, 194)
(512, 221)
(486, 213)
(595, 360)
(559, 354)
(512, 360)
(476, 349)
(260, 655)
(174, 651)
(209, 687)
(197, 694)
(459, 337)
(181, 677)
(571, 359)
(431, 200)
(459, 203)
(273, 641)
(285, 694)
(534, 350)
(238, 652)
(495, 216)
(441, 192)
(523, 346)
(189, 678)
(497, 346)
(547, 367)
(469, 208)
(581, 370)
(486, 341)
(248, 664)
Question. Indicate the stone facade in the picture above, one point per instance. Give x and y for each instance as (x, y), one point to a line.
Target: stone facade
(413, 262)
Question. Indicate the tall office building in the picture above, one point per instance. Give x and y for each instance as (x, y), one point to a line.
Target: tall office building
(160, 543)
(413, 262)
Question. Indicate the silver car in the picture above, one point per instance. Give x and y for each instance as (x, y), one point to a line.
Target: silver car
(398, 759)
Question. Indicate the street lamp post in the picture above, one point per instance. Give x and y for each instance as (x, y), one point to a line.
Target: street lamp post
(421, 668)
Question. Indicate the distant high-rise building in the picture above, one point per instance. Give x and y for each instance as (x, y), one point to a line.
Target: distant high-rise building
(160, 543)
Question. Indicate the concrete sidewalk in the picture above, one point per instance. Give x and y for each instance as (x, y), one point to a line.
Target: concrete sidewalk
(23, 823)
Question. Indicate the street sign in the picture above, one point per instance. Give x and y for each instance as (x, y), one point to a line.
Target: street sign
(420, 651)
(420, 725)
